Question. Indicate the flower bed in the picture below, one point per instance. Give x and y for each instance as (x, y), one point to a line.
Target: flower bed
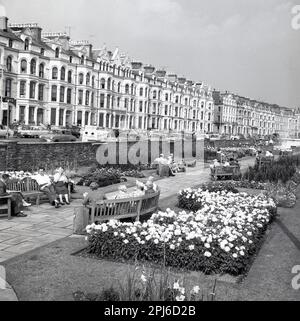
(221, 237)
(249, 184)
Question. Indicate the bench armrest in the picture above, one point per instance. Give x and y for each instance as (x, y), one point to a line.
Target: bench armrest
(5, 197)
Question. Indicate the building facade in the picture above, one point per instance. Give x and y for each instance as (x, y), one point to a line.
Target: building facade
(236, 115)
(48, 79)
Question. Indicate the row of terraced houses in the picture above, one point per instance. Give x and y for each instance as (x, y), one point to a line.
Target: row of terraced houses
(48, 79)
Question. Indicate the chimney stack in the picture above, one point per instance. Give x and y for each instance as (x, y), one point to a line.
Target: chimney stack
(3, 23)
(3, 18)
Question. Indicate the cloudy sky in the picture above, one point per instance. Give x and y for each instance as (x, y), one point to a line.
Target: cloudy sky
(244, 46)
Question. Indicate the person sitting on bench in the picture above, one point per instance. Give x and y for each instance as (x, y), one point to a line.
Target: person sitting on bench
(16, 198)
(47, 187)
(61, 186)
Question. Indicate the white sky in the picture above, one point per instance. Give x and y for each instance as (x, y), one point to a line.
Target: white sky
(244, 46)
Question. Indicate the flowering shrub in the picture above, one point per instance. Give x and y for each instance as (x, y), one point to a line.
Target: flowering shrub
(283, 169)
(108, 175)
(102, 177)
(220, 237)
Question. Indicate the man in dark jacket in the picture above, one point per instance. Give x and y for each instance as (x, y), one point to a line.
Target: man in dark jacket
(16, 199)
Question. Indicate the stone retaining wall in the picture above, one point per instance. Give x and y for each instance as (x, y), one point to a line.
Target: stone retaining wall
(30, 156)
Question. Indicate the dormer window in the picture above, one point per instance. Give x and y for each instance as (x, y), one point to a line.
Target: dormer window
(10, 43)
(42, 51)
(82, 60)
(26, 45)
(57, 53)
(71, 59)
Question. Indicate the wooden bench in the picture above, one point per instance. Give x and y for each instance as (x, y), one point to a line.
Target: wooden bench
(123, 208)
(265, 161)
(226, 172)
(6, 206)
(28, 187)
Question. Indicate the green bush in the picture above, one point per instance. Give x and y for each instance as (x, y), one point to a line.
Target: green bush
(281, 170)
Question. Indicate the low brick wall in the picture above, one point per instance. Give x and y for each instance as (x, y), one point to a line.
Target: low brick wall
(31, 156)
(16, 156)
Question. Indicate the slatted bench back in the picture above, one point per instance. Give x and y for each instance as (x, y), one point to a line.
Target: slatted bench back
(124, 208)
(26, 185)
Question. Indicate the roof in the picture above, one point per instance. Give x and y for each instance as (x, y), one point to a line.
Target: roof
(10, 35)
(40, 43)
(70, 53)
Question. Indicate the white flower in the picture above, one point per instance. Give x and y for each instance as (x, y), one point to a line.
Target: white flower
(207, 254)
(126, 241)
(192, 247)
(172, 247)
(176, 286)
(143, 278)
(180, 298)
(235, 255)
(196, 289)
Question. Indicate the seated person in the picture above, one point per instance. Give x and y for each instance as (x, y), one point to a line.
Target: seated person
(61, 186)
(46, 187)
(216, 163)
(87, 200)
(122, 193)
(149, 188)
(161, 160)
(139, 190)
(182, 165)
(233, 162)
(16, 198)
(226, 164)
(151, 180)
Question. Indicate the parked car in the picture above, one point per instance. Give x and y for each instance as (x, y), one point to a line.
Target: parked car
(75, 131)
(57, 136)
(31, 131)
(4, 132)
(214, 137)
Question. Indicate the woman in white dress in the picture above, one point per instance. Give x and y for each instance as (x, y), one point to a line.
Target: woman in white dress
(61, 186)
